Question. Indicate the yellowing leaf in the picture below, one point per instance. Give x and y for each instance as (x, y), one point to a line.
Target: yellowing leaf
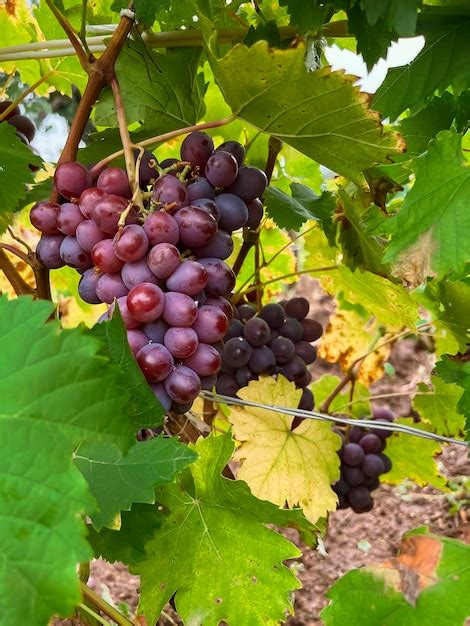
(348, 338)
(281, 465)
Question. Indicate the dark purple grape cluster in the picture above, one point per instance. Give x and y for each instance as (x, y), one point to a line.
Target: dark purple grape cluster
(164, 266)
(362, 462)
(277, 340)
(25, 129)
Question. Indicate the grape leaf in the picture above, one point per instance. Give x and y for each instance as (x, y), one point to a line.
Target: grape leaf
(116, 480)
(322, 387)
(462, 115)
(425, 585)
(57, 390)
(398, 15)
(306, 16)
(434, 221)
(147, 411)
(295, 467)
(440, 64)
(458, 371)
(15, 159)
(374, 40)
(147, 10)
(411, 461)
(192, 555)
(331, 124)
(169, 98)
(440, 409)
(292, 211)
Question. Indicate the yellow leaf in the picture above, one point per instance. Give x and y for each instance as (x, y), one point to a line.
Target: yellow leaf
(295, 467)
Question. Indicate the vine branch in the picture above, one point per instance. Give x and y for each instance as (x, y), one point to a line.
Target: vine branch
(70, 32)
(15, 279)
(103, 606)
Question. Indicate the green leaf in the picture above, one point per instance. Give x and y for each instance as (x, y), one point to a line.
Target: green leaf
(117, 480)
(324, 385)
(434, 220)
(15, 159)
(147, 411)
(292, 211)
(398, 15)
(319, 113)
(412, 459)
(420, 128)
(170, 90)
(147, 10)
(373, 41)
(306, 16)
(441, 63)
(57, 391)
(462, 117)
(458, 371)
(197, 554)
(440, 409)
(426, 585)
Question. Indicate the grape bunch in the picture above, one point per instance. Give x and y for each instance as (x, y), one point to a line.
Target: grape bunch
(277, 340)
(25, 129)
(164, 267)
(362, 462)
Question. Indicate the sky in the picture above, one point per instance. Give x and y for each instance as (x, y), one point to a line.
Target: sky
(51, 135)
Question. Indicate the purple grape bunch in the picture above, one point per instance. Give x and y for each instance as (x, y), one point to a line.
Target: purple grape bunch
(165, 269)
(277, 340)
(362, 463)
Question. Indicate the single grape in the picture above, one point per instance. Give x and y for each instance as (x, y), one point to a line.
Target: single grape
(197, 227)
(87, 286)
(353, 475)
(197, 148)
(211, 324)
(249, 184)
(382, 415)
(107, 213)
(88, 199)
(262, 360)
(131, 243)
(221, 303)
(306, 351)
(306, 401)
(294, 370)
(138, 272)
(44, 216)
(183, 384)
(371, 483)
(235, 149)
(88, 234)
(136, 340)
(237, 352)
(225, 368)
(205, 361)
(209, 206)
(352, 454)
(180, 310)
(312, 330)
(220, 277)
(104, 258)
(273, 335)
(180, 409)
(161, 227)
(156, 330)
(370, 443)
(129, 322)
(161, 395)
(233, 211)
(181, 342)
(23, 125)
(256, 332)
(341, 487)
(71, 179)
(283, 350)
(114, 181)
(221, 247)
(292, 329)
(246, 312)
(155, 361)
(305, 380)
(190, 277)
(48, 251)
(4, 106)
(372, 465)
(273, 315)
(227, 385)
(355, 434)
(147, 171)
(73, 255)
(170, 192)
(163, 259)
(255, 213)
(166, 163)
(359, 497)
(146, 302)
(235, 329)
(69, 217)
(221, 169)
(200, 188)
(208, 382)
(110, 286)
(244, 375)
(387, 463)
(298, 308)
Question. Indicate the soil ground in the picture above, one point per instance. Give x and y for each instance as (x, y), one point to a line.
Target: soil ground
(352, 540)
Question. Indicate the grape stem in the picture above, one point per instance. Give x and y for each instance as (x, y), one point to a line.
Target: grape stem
(98, 167)
(70, 32)
(14, 250)
(103, 606)
(25, 93)
(20, 286)
(86, 609)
